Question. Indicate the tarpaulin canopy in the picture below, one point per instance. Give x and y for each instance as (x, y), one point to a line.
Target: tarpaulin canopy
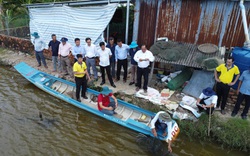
(71, 22)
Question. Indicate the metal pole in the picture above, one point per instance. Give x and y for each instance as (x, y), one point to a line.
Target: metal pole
(108, 28)
(127, 21)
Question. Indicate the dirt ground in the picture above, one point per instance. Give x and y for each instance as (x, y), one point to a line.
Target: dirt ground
(8, 57)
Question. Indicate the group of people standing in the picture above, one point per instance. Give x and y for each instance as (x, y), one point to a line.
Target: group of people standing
(110, 56)
(226, 75)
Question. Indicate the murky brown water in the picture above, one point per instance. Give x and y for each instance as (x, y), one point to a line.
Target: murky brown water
(61, 133)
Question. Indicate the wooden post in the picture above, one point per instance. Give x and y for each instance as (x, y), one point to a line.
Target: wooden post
(209, 122)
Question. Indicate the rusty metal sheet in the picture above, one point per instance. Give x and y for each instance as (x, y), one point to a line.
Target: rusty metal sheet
(192, 21)
(147, 22)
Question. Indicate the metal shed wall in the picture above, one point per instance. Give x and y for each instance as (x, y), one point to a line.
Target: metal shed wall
(192, 21)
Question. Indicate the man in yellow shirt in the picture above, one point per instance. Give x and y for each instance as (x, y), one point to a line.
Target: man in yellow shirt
(80, 72)
(225, 81)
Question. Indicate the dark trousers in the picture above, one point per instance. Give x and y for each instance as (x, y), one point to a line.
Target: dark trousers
(222, 91)
(112, 68)
(207, 110)
(107, 68)
(142, 72)
(39, 57)
(240, 99)
(120, 64)
(81, 82)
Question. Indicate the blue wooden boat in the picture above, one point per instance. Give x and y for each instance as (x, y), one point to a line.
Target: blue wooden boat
(130, 116)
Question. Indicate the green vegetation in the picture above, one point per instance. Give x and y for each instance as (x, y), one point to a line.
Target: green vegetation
(230, 133)
(14, 14)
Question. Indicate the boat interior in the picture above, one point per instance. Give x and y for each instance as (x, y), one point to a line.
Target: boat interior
(123, 112)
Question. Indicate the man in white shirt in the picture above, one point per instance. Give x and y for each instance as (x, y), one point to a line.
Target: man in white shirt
(39, 46)
(207, 100)
(90, 54)
(63, 54)
(162, 121)
(104, 56)
(121, 54)
(78, 49)
(143, 57)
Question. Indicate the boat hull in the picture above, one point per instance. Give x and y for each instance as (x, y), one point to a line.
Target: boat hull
(133, 117)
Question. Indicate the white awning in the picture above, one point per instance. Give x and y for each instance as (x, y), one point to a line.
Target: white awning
(71, 22)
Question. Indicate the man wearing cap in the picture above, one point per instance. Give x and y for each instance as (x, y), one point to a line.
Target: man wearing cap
(207, 100)
(111, 45)
(243, 92)
(133, 49)
(104, 56)
(80, 72)
(121, 54)
(104, 104)
(90, 54)
(143, 57)
(162, 122)
(225, 81)
(39, 46)
(54, 47)
(64, 53)
(78, 49)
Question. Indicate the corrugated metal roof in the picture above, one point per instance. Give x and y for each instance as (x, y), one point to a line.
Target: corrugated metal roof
(190, 60)
(192, 21)
(71, 22)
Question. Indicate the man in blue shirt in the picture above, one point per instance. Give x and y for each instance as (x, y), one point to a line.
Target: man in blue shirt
(133, 49)
(243, 92)
(111, 45)
(121, 54)
(39, 46)
(78, 49)
(54, 46)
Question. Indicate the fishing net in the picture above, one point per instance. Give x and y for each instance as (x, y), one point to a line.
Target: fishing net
(169, 51)
(201, 58)
(152, 145)
(211, 63)
(160, 46)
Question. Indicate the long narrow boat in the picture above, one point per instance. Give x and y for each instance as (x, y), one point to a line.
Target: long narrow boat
(130, 116)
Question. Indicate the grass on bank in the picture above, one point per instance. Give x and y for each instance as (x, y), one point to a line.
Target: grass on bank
(231, 133)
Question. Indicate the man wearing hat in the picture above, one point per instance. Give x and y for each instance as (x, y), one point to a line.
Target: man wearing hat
(80, 72)
(133, 49)
(104, 104)
(64, 53)
(243, 92)
(162, 122)
(39, 46)
(207, 100)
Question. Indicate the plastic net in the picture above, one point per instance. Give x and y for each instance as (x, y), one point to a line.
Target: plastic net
(169, 51)
(211, 63)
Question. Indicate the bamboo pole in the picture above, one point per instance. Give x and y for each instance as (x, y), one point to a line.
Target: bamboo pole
(209, 121)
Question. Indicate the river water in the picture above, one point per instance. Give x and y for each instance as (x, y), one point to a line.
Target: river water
(66, 130)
